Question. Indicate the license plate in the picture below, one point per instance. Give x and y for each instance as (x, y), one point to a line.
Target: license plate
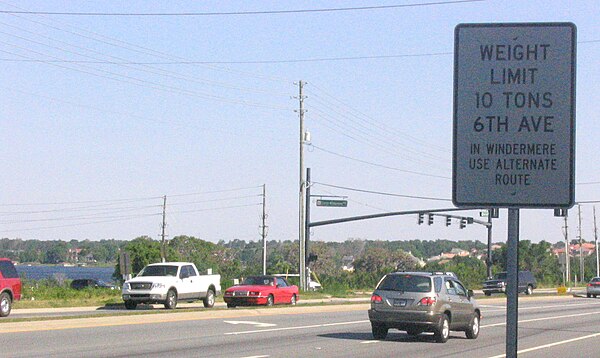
(399, 302)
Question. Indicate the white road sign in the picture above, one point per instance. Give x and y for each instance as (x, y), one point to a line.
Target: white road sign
(514, 115)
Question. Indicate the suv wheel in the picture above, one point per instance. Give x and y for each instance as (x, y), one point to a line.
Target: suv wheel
(473, 330)
(379, 332)
(5, 304)
(529, 290)
(442, 332)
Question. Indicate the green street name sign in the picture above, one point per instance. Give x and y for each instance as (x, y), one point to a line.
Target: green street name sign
(334, 203)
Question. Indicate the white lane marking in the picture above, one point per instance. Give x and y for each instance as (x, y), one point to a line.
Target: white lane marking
(551, 344)
(501, 309)
(298, 327)
(541, 319)
(369, 342)
(256, 324)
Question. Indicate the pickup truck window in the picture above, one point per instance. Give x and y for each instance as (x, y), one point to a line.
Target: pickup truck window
(191, 270)
(159, 270)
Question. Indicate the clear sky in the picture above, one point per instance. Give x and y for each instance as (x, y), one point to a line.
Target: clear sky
(101, 116)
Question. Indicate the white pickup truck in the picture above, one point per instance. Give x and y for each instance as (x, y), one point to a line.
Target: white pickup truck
(170, 282)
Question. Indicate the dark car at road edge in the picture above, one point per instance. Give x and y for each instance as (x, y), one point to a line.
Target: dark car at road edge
(497, 283)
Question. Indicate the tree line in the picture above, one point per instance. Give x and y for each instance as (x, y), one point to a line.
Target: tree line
(366, 261)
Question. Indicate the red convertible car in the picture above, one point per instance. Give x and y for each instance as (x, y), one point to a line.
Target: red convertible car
(261, 290)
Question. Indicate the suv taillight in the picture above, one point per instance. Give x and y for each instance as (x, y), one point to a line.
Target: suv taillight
(376, 299)
(427, 301)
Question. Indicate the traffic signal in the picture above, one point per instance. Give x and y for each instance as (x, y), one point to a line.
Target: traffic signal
(448, 221)
(463, 223)
(429, 219)
(420, 219)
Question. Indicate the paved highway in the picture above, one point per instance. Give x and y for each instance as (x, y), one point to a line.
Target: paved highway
(548, 327)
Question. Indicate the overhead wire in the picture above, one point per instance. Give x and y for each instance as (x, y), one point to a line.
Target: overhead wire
(237, 13)
(384, 193)
(120, 61)
(381, 136)
(137, 48)
(145, 83)
(373, 141)
(376, 124)
(379, 165)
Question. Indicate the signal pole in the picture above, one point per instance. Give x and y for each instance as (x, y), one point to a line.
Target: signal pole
(163, 253)
(581, 261)
(302, 208)
(596, 244)
(264, 232)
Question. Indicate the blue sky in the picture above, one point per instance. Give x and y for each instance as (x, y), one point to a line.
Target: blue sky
(103, 115)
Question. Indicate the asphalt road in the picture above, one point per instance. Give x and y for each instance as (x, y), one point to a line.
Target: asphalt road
(548, 327)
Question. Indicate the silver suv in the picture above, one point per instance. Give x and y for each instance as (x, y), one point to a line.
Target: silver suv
(418, 302)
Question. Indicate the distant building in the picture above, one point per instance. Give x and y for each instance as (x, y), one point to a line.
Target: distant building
(73, 255)
(348, 263)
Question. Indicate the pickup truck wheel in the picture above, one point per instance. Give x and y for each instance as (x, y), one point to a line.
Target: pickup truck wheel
(130, 305)
(171, 301)
(488, 293)
(231, 305)
(293, 301)
(209, 300)
(5, 304)
(270, 300)
(529, 290)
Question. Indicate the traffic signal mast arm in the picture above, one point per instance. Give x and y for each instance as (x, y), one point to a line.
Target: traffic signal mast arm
(398, 213)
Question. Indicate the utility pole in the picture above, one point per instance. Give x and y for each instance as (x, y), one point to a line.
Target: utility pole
(596, 244)
(264, 232)
(307, 225)
(581, 262)
(302, 208)
(567, 253)
(163, 253)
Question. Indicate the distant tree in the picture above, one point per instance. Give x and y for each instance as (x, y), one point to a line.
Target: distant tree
(56, 252)
(142, 251)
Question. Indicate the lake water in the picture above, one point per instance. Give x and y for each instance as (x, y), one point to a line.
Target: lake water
(38, 272)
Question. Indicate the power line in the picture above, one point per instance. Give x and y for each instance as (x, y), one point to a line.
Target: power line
(236, 13)
(118, 201)
(378, 165)
(384, 135)
(375, 141)
(249, 62)
(383, 193)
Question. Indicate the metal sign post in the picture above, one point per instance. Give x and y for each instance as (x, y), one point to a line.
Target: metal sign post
(514, 127)
(512, 281)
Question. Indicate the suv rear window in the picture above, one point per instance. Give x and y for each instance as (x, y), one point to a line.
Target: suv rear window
(8, 269)
(406, 283)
